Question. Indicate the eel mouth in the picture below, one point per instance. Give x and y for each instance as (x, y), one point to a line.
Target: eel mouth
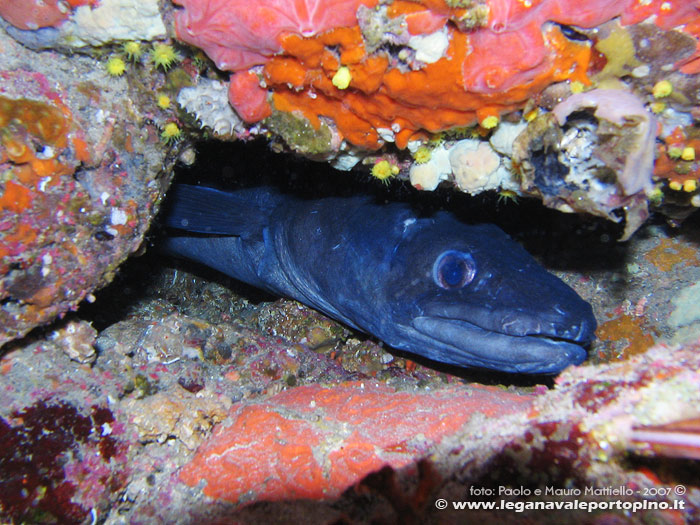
(467, 344)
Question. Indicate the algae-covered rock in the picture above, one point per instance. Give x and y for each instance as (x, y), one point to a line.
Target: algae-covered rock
(82, 168)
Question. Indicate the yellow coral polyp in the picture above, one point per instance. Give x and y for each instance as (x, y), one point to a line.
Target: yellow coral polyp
(674, 152)
(115, 67)
(342, 78)
(531, 115)
(657, 107)
(675, 185)
(576, 87)
(489, 122)
(656, 196)
(163, 101)
(662, 89)
(690, 185)
(164, 56)
(422, 155)
(132, 50)
(688, 153)
(384, 169)
(171, 133)
(505, 196)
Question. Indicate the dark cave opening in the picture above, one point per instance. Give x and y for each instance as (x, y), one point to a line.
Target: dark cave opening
(566, 242)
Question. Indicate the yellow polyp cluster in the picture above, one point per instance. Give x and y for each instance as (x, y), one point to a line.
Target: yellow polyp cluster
(657, 107)
(676, 161)
(164, 56)
(577, 87)
(489, 122)
(133, 50)
(505, 196)
(688, 185)
(662, 89)
(383, 170)
(171, 133)
(531, 115)
(342, 78)
(163, 101)
(674, 152)
(115, 67)
(422, 155)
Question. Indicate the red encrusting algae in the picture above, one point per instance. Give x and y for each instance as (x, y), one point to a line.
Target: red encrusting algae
(314, 441)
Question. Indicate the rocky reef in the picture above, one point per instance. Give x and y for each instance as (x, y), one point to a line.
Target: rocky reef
(150, 391)
(420, 85)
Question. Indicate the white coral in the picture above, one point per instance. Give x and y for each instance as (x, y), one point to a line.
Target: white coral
(477, 167)
(502, 139)
(208, 101)
(114, 20)
(427, 176)
(430, 48)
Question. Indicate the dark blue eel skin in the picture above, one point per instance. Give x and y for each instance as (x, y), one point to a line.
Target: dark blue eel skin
(467, 295)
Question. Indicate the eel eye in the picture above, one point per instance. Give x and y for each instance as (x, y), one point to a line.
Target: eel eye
(453, 270)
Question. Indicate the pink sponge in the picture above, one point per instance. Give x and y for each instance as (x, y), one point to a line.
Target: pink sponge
(247, 97)
(238, 34)
(512, 15)
(35, 14)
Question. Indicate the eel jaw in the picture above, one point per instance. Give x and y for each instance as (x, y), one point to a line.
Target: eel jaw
(466, 344)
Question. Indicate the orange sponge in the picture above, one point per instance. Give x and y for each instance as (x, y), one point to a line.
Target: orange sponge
(399, 104)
